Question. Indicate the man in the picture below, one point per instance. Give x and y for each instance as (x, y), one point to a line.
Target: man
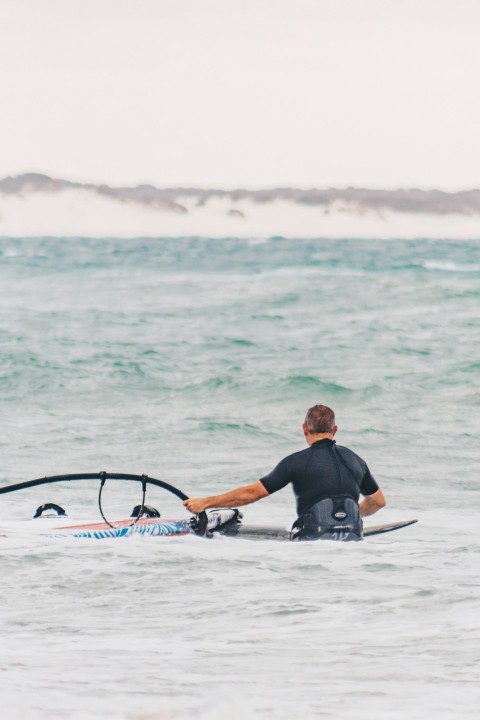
(327, 481)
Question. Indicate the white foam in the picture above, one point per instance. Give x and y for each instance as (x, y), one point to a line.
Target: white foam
(448, 266)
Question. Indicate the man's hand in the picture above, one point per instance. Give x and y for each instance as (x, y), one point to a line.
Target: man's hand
(196, 505)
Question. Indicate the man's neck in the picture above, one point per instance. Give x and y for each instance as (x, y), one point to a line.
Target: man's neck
(311, 439)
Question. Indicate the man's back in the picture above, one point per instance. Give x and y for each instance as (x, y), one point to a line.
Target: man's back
(323, 470)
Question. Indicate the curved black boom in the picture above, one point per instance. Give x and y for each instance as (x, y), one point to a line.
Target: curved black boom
(144, 479)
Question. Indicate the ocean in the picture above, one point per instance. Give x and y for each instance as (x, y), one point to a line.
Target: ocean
(194, 360)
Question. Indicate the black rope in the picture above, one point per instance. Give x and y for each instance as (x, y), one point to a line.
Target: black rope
(142, 507)
(103, 478)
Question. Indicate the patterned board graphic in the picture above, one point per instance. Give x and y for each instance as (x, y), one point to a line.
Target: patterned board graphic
(124, 528)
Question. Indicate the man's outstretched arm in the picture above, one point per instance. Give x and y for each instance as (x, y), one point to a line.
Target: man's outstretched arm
(372, 503)
(240, 496)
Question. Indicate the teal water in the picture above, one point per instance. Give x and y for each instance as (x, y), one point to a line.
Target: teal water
(194, 360)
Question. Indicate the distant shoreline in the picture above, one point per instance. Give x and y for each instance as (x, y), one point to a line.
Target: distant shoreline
(36, 204)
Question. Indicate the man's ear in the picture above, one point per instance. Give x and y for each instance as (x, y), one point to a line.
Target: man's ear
(335, 428)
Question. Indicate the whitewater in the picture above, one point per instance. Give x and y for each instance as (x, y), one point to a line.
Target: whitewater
(194, 360)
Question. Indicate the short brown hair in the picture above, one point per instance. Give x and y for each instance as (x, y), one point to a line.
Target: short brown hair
(320, 419)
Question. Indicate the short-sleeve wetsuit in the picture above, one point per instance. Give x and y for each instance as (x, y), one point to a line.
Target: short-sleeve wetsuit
(323, 470)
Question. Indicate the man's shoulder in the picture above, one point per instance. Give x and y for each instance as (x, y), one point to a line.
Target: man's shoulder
(284, 471)
(295, 457)
(346, 452)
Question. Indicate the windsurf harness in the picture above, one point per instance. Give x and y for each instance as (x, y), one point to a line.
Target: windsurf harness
(336, 518)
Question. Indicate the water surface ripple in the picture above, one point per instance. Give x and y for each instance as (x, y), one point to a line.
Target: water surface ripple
(194, 360)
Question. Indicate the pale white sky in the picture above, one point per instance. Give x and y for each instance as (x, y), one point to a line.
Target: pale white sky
(236, 93)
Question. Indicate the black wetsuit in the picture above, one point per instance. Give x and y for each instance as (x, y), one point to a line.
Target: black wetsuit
(324, 471)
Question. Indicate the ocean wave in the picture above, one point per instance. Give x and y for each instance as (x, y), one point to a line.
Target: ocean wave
(449, 266)
(215, 426)
(240, 341)
(471, 367)
(312, 381)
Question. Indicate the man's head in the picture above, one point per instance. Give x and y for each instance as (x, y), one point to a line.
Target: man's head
(319, 422)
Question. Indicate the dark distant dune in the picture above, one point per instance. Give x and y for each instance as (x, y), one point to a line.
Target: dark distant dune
(412, 200)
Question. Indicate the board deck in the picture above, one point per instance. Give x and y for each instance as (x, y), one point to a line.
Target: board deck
(278, 533)
(380, 529)
(164, 528)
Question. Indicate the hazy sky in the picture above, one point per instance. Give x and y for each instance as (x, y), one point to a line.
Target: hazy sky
(242, 92)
